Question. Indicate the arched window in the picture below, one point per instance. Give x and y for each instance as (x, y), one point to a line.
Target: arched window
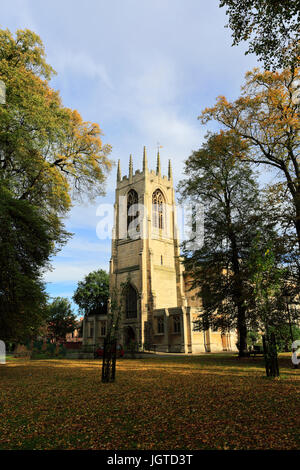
(158, 209)
(131, 302)
(176, 324)
(132, 198)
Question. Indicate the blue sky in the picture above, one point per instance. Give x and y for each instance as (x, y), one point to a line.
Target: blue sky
(142, 69)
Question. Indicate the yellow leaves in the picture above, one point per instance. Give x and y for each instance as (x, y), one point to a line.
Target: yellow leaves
(27, 50)
(264, 113)
(53, 148)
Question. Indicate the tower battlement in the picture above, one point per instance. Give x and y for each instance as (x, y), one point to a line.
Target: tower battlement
(133, 176)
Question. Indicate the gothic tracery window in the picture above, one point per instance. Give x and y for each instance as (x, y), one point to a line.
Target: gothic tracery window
(158, 209)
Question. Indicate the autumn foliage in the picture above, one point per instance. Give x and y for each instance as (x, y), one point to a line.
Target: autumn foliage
(49, 154)
(266, 117)
(49, 157)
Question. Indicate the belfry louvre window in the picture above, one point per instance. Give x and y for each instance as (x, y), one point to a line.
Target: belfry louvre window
(158, 209)
(132, 199)
(131, 303)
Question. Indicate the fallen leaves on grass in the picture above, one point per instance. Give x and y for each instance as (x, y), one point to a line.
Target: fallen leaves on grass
(206, 402)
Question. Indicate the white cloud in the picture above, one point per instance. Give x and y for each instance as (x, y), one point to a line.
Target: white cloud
(154, 107)
(67, 272)
(85, 216)
(81, 65)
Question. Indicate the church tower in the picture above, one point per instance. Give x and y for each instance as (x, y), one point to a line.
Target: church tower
(145, 268)
(159, 308)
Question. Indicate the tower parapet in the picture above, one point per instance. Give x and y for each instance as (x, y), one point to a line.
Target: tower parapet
(144, 172)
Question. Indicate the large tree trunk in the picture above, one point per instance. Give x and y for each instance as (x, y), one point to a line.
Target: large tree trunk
(109, 359)
(270, 355)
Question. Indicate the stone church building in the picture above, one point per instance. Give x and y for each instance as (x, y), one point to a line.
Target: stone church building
(158, 309)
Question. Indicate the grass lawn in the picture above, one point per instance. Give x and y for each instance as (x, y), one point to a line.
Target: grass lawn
(203, 402)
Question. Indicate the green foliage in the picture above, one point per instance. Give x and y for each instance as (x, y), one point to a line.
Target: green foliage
(26, 242)
(268, 279)
(61, 319)
(51, 347)
(62, 352)
(285, 335)
(266, 117)
(47, 151)
(48, 157)
(217, 177)
(37, 345)
(92, 293)
(271, 26)
(252, 337)
(48, 352)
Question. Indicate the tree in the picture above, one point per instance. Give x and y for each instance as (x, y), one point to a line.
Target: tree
(92, 293)
(115, 312)
(272, 26)
(285, 334)
(111, 338)
(268, 280)
(61, 319)
(267, 118)
(49, 156)
(48, 153)
(226, 187)
(26, 242)
(274, 289)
